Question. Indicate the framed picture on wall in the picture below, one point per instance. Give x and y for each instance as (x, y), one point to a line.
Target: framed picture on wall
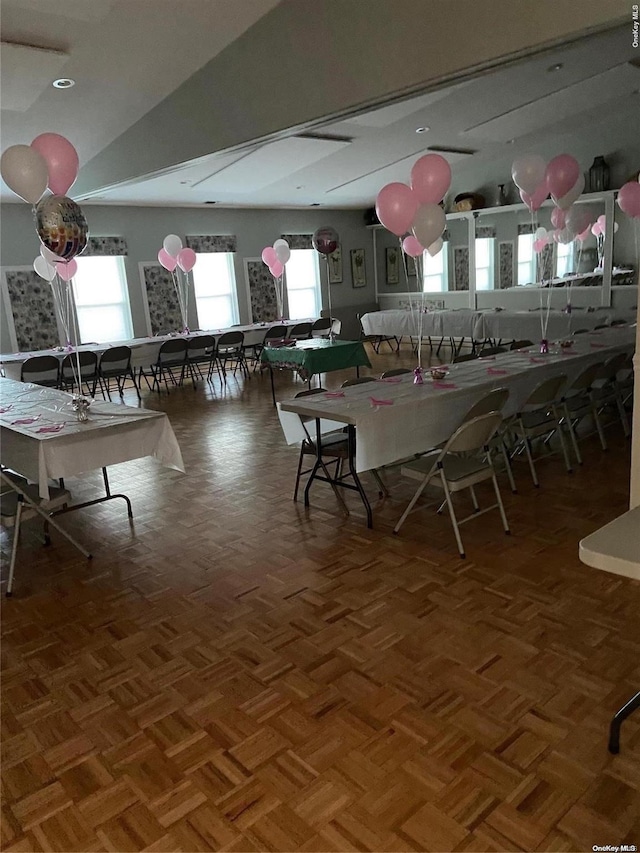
(358, 272)
(392, 257)
(335, 266)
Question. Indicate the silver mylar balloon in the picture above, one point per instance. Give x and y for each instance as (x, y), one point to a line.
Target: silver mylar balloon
(61, 226)
(325, 240)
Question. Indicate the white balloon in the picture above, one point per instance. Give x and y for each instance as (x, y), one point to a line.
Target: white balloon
(283, 252)
(25, 171)
(565, 236)
(436, 247)
(428, 224)
(280, 242)
(172, 245)
(45, 270)
(574, 193)
(541, 234)
(528, 172)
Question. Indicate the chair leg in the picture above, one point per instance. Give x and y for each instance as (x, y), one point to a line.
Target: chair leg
(412, 502)
(14, 547)
(383, 491)
(295, 491)
(527, 449)
(503, 515)
(474, 499)
(452, 514)
(563, 444)
(623, 416)
(135, 384)
(572, 434)
(596, 417)
(507, 462)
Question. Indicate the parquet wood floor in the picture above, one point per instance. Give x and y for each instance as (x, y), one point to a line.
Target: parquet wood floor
(237, 673)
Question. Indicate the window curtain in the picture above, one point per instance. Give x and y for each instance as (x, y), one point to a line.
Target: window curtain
(206, 243)
(298, 241)
(526, 228)
(33, 311)
(485, 231)
(105, 246)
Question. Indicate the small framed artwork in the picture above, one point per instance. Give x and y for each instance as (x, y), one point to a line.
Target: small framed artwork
(392, 257)
(335, 266)
(358, 273)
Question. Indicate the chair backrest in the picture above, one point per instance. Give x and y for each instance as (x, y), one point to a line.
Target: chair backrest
(309, 392)
(323, 324)
(545, 392)
(494, 401)
(275, 333)
(581, 331)
(618, 322)
(520, 344)
(357, 380)
(231, 340)
(471, 356)
(201, 347)
(116, 358)
(41, 369)
(491, 351)
(173, 351)
(584, 380)
(397, 371)
(601, 326)
(88, 365)
(474, 434)
(609, 370)
(300, 331)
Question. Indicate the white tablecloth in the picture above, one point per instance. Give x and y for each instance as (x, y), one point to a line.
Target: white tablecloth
(144, 351)
(459, 323)
(412, 418)
(51, 443)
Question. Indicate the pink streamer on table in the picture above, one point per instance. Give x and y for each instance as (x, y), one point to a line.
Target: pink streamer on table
(492, 371)
(55, 428)
(444, 385)
(376, 402)
(331, 394)
(24, 421)
(6, 409)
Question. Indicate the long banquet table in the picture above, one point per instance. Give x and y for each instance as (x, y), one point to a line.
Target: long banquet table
(42, 438)
(481, 325)
(144, 351)
(394, 418)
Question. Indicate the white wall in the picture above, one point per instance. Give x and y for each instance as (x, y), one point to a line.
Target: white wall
(145, 227)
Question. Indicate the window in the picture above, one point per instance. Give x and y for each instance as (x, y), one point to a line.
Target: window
(526, 259)
(303, 284)
(102, 299)
(484, 263)
(435, 272)
(564, 259)
(214, 283)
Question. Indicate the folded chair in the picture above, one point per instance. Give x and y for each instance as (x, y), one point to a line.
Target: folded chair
(275, 333)
(376, 341)
(171, 356)
(201, 352)
(115, 363)
(577, 403)
(88, 371)
(42, 370)
(464, 461)
(607, 392)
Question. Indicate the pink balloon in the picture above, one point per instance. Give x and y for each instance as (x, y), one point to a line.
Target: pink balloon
(595, 229)
(61, 158)
(187, 259)
(538, 245)
(67, 271)
(396, 206)
(276, 269)
(562, 174)
(412, 247)
(269, 255)
(430, 178)
(166, 260)
(584, 234)
(534, 202)
(629, 199)
(558, 217)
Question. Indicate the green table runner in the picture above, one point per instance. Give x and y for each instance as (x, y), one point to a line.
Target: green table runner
(316, 356)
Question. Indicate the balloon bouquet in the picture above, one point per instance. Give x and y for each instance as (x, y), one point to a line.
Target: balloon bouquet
(179, 262)
(417, 208)
(561, 179)
(276, 258)
(51, 161)
(325, 241)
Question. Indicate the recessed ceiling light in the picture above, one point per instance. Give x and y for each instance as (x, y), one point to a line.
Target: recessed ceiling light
(510, 141)
(63, 83)
(557, 67)
(315, 204)
(301, 187)
(422, 129)
(184, 182)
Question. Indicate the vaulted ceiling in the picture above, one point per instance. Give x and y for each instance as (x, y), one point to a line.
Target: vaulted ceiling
(260, 103)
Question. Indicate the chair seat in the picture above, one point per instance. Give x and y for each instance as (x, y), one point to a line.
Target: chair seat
(9, 501)
(332, 444)
(460, 471)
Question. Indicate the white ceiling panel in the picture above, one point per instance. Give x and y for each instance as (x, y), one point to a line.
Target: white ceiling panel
(26, 72)
(393, 113)
(271, 163)
(77, 10)
(565, 102)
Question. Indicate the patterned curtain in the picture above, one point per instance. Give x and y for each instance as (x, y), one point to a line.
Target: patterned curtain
(264, 307)
(206, 243)
(164, 309)
(545, 263)
(483, 231)
(526, 228)
(106, 246)
(505, 270)
(298, 241)
(33, 310)
(461, 267)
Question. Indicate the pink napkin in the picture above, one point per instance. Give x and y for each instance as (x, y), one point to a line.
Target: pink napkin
(6, 409)
(392, 379)
(492, 371)
(22, 421)
(376, 402)
(55, 428)
(444, 385)
(331, 394)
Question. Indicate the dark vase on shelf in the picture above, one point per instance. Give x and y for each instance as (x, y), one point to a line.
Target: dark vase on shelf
(599, 175)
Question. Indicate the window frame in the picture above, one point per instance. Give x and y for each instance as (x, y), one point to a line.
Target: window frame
(443, 276)
(532, 263)
(491, 242)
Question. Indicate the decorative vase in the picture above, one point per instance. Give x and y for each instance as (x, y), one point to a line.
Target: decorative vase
(544, 346)
(417, 376)
(501, 196)
(599, 175)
